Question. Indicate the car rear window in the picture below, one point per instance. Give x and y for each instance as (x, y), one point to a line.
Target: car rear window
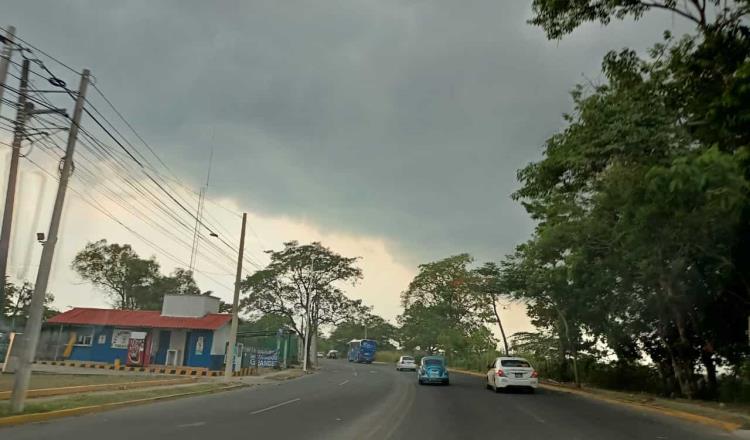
(407, 358)
(433, 362)
(515, 363)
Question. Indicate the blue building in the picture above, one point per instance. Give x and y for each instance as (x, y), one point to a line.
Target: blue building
(188, 331)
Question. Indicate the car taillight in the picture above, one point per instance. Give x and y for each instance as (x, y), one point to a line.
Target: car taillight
(500, 373)
(534, 374)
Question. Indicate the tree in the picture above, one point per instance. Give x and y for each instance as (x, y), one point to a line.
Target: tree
(303, 280)
(18, 302)
(442, 310)
(562, 17)
(489, 288)
(370, 326)
(131, 282)
(641, 216)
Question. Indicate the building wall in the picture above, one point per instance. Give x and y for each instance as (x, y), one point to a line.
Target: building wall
(100, 349)
(177, 340)
(189, 305)
(221, 338)
(199, 348)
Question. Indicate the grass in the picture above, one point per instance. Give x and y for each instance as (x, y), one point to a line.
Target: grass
(51, 380)
(95, 399)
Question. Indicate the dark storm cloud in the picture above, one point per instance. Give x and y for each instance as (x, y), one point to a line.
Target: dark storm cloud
(406, 120)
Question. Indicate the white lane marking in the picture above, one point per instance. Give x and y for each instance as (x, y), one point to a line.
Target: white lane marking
(344, 382)
(191, 425)
(276, 406)
(530, 413)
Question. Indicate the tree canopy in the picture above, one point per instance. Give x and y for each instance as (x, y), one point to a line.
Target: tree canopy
(303, 280)
(131, 282)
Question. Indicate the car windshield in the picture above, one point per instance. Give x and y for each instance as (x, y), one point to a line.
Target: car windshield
(542, 193)
(518, 363)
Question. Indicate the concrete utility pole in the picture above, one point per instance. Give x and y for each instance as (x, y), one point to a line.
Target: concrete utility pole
(36, 309)
(10, 34)
(235, 304)
(5, 57)
(10, 195)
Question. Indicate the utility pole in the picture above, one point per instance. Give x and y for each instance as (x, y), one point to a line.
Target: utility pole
(36, 309)
(10, 34)
(10, 195)
(235, 304)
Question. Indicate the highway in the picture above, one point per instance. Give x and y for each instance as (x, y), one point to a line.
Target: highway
(352, 401)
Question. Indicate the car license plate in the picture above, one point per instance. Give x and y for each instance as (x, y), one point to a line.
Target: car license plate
(519, 375)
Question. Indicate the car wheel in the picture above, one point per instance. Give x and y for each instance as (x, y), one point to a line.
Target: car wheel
(531, 390)
(487, 385)
(447, 382)
(495, 387)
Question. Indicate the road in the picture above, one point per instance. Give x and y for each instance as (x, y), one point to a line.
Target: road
(351, 401)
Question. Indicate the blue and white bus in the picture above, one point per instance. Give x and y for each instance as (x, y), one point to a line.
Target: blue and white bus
(361, 351)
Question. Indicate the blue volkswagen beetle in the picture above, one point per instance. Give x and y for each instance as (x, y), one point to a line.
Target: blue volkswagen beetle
(432, 369)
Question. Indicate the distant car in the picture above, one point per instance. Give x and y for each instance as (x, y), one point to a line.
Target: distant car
(319, 354)
(332, 354)
(406, 363)
(510, 372)
(432, 369)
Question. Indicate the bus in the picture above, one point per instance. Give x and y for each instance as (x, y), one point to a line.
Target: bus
(361, 351)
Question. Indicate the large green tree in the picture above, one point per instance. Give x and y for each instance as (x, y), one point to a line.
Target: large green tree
(642, 200)
(442, 310)
(131, 282)
(304, 284)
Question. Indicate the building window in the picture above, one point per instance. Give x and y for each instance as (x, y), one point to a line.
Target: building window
(84, 339)
(102, 339)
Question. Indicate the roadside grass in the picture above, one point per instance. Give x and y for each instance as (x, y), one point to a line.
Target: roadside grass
(43, 405)
(52, 380)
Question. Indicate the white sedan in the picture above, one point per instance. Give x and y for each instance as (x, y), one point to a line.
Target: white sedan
(406, 363)
(511, 372)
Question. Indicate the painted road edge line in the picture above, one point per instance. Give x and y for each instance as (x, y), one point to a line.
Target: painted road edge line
(50, 415)
(276, 406)
(684, 415)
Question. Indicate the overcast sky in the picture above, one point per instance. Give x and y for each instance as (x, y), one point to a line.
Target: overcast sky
(391, 130)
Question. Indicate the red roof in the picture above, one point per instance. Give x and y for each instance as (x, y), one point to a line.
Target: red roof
(138, 318)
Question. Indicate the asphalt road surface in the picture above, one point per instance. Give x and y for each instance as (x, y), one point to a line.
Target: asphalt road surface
(352, 401)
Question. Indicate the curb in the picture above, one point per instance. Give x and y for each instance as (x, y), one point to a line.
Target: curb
(47, 392)
(695, 418)
(51, 415)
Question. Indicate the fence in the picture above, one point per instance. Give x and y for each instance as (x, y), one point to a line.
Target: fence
(268, 349)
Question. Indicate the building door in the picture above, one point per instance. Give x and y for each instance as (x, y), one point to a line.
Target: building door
(161, 352)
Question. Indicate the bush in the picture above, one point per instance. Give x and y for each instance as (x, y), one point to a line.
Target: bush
(387, 356)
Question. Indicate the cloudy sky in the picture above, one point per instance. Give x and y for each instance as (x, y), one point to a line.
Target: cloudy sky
(390, 130)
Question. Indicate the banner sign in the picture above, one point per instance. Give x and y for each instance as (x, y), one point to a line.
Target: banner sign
(263, 358)
(120, 338)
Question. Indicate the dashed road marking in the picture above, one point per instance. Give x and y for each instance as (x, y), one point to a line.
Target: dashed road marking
(275, 406)
(191, 425)
(344, 382)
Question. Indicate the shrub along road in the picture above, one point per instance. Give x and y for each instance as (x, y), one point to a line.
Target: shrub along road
(348, 401)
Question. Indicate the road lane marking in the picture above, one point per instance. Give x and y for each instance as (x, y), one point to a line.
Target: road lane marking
(344, 382)
(191, 425)
(530, 413)
(275, 406)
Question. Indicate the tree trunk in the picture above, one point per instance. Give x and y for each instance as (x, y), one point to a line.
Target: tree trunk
(573, 349)
(500, 324)
(682, 359)
(707, 359)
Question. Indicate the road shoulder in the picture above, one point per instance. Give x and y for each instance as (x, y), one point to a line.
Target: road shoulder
(725, 420)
